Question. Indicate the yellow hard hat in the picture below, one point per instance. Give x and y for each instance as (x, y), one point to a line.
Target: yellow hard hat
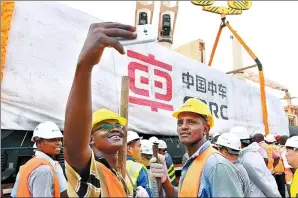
(196, 106)
(105, 114)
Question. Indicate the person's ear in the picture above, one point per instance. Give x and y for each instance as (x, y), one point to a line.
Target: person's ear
(39, 144)
(206, 129)
(129, 149)
(91, 141)
(226, 152)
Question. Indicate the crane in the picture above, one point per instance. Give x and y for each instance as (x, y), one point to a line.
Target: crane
(236, 8)
(166, 27)
(242, 73)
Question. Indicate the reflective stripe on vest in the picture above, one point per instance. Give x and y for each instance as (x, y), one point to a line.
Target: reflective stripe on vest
(27, 169)
(171, 173)
(171, 168)
(279, 168)
(192, 179)
(133, 169)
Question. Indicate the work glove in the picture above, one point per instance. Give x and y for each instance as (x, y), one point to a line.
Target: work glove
(159, 170)
(141, 192)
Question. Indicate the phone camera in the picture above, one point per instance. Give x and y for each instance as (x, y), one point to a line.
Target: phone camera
(145, 31)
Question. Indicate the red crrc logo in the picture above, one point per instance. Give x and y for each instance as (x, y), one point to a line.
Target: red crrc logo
(147, 85)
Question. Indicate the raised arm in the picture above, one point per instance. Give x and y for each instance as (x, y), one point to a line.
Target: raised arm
(78, 116)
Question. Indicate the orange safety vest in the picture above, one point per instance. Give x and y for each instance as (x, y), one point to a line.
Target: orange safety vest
(192, 179)
(279, 168)
(27, 169)
(109, 182)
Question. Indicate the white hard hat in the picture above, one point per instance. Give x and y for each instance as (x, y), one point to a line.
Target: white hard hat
(230, 141)
(47, 130)
(153, 139)
(270, 138)
(292, 142)
(146, 146)
(162, 144)
(131, 136)
(240, 132)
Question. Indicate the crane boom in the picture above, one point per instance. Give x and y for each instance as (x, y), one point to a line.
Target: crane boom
(269, 83)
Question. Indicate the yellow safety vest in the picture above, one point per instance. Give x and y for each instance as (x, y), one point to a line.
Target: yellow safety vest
(133, 169)
(269, 149)
(294, 185)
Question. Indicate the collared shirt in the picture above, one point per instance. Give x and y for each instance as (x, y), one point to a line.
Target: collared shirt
(41, 179)
(143, 178)
(219, 177)
(185, 158)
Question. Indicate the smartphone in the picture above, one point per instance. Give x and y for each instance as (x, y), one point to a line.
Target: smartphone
(145, 34)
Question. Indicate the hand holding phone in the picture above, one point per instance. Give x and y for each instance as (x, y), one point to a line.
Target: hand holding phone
(100, 36)
(145, 34)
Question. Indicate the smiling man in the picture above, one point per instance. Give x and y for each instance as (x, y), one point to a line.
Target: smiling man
(99, 176)
(41, 176)
(206, 173)
(91, 170)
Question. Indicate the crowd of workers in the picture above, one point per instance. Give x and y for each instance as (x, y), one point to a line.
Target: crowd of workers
(233, 164)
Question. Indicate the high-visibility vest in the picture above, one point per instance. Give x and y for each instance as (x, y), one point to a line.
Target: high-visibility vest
(133, 169)
(171, 170)
(269, 149)
(171, 173)
(294, 185)
(27, 169)
(192, 179)
(279, 168)
(110, 184)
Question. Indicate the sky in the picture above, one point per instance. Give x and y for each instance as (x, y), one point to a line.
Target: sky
(269, 28)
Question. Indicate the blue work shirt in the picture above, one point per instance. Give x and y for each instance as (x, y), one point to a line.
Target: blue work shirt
(59, 172)
(219, 177)
(143, 179)
(171, 168)
(168, 159)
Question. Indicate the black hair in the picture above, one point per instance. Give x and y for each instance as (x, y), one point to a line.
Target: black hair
(245, 142)
(258, 137)
(283, 139)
